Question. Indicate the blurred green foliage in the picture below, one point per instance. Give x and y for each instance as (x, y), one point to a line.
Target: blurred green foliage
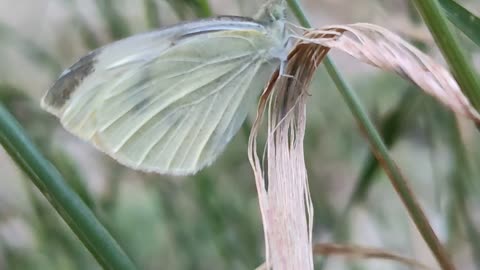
(211, 220)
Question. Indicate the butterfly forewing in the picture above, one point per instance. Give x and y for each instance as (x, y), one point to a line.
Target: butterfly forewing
(167, 101)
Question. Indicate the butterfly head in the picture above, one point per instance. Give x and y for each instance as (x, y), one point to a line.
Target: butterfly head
(272, 11)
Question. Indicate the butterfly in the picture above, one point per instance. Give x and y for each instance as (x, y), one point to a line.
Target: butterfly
(169, 101)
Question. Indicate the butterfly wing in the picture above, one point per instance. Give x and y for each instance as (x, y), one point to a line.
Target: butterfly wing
(167, 101)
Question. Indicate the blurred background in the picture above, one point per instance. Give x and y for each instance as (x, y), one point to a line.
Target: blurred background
(211, 220)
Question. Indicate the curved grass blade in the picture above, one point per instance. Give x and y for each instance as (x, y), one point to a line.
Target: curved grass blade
(463, 19)
(151, 13)
(88, 35)
(10, 93)
(461, 185)
(391, 129)
(201, 8)
(70, 207)
(179, 7)
(381, 48)
(363, 252)
(223, 218)
(205, 198)
(117, 26)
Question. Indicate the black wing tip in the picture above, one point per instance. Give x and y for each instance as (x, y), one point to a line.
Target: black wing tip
(62, 89)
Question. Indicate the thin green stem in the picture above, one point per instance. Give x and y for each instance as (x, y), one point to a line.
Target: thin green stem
(116, 24)
(400, 184)
(463, 19)
(436, 21)
(203, 9)
(66, 202)
(37, 54)
(461, 185)
(299, 14)
(151, 13)
(381, 153)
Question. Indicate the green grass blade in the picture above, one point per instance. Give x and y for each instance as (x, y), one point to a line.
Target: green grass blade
(52, 235)
(381, 152)
(117, 26)
(176, 225)
(151, 13)
(391, 127)
(66, 166)
(202, 8)
(88, 36)
(70, 207)
(460, 66)
(205, 196)
(35, 53)
(463, 19)
(179, 7)
(9, 93)
(86, 32)
(12, 98)
(400, 184)
(461, 185)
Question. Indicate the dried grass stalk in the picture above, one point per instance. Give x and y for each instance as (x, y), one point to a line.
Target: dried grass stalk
(381, 48)
(354, 251)
(361, 252)
(282, 183)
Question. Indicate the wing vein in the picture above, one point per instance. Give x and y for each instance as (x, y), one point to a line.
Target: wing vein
(227, 104)
(199, 128)
(128, 109)
(141, 124)
(236, 74)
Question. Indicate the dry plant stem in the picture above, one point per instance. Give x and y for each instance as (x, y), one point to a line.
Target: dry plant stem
(400, 184)
(398, 181)
(286, 207)
(379, 47)
(381, 153)
(360, 252)
(354, 251)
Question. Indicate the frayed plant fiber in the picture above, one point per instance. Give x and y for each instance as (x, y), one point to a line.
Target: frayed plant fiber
(282, 183)
(281, 176)
(379, 47)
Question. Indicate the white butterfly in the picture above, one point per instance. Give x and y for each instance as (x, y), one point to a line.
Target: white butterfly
(169, 101)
